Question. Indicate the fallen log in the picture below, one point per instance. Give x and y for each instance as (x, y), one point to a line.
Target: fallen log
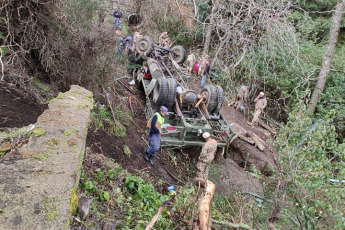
(253, 139)
(269, 128)
(258, 142)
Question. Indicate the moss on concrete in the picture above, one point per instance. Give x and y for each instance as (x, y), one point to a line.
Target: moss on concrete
(39, 132)
(53, 141)
(41, 156)
(50, 207)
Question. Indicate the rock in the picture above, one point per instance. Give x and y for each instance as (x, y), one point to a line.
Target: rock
(84, 207)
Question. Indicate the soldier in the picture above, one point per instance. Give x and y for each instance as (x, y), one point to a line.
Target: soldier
(207, 155)
(242, 96)
(261, 103)
(136, 36)
(202, 65)
(164, 40)
(190, 62)
(120, 40)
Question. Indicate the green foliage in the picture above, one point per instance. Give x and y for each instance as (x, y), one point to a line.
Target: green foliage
(126, 151)
(310, 158)
(316, 5)
(82, 13)
(40, 87)
(175, 26)
(4, 49)
(38, 132)
(112, 173)
(50, 207)
(102, 118)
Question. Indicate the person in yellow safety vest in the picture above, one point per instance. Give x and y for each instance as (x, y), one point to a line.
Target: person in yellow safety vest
(155, 126)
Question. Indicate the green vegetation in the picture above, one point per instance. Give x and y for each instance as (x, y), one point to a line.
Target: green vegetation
(39, 132)
(51, 209)
(126, 151)
(40, 86)
(102, 118)
(310, 158)
(41, 156)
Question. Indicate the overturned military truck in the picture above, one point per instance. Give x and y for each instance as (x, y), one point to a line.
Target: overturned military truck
(165, 83)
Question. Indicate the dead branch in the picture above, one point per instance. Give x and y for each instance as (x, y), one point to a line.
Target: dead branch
(159, 212)
(2, 64)
(278, 205)
(131, 91)
(111, 107)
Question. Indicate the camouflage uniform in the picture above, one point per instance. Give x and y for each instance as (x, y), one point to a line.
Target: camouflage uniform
(164, 40)
(242, 96)
(190, 62)
(136, 36)
(120, 41)
(261, 103)
(207, 155)
(202, 65)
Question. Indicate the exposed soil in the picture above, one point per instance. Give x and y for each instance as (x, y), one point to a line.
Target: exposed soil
(99, 142)
(17, 107)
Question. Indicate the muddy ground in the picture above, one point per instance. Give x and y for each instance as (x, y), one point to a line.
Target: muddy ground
(17, 107)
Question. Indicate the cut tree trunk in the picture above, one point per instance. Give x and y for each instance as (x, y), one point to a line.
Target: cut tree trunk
(205, 204)
(328, 55)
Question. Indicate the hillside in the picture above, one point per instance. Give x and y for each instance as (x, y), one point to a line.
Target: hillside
(285, 173)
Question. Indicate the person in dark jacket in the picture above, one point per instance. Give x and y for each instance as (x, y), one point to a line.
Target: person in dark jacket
(155, 126)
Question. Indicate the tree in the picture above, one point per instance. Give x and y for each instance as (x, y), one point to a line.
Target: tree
(209, 28)
(328, 55)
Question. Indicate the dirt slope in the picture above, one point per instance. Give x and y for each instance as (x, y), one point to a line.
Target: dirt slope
(17, 107)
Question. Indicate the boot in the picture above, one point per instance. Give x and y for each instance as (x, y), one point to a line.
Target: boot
(145, 155)
(151, 159)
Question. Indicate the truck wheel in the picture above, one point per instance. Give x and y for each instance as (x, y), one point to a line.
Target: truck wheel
(220, 99)
(144, 45)
(179, 54)
(160, 92)
(209, 92)
(134, 20)
(172, 92)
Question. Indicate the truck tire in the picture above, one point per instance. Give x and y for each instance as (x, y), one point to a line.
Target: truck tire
(172, 83)
(134, 20)
(210, 94)
(160, 92)
(220, 99)
(179, 54)
(144, 45)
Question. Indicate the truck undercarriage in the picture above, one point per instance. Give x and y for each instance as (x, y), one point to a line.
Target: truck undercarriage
(164, 81)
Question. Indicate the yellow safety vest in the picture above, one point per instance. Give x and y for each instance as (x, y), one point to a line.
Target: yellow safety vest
(159, 122)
